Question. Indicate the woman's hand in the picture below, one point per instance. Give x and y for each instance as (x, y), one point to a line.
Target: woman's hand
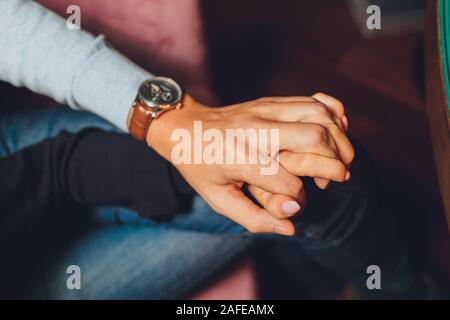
(277, 204)
(311, 142)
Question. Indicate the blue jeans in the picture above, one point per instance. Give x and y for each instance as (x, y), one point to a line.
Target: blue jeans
(120, 254)
(124, 256)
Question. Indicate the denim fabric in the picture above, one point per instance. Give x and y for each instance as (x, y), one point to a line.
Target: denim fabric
(344, 229)
(120, 254)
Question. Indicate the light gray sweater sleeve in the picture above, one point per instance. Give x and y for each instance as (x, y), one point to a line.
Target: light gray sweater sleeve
(39, 52)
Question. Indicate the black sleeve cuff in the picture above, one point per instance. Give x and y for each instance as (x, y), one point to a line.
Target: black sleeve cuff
(115, 169)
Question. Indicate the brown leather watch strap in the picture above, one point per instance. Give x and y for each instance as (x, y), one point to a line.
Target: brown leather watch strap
(139, 120)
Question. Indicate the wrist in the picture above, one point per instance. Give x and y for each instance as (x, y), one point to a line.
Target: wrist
(158, 136)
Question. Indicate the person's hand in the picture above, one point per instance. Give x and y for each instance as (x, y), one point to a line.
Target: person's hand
(278, 204)
(311, 140)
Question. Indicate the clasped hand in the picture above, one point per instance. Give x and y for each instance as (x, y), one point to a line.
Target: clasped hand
(312, 142)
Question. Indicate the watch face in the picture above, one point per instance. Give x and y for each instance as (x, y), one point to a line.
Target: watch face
(160, 91)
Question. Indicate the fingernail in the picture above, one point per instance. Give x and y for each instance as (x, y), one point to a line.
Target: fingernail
(345, 121)
(281, 230)
(348, 176)
(290, 207)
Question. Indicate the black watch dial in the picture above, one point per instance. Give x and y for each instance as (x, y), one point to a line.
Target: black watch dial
(160, 91)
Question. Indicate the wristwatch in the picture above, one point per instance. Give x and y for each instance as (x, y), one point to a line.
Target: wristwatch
(156, 96)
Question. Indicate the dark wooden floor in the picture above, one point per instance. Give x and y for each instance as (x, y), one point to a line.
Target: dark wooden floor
(290, 47)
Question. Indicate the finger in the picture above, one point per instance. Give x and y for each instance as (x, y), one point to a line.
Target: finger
(312, 165)
(315, 113)
(344, 146)
(269, 175)
(345, 122)
(334, 104)
(304, 137)
(319, 114)
(293, 111)
(278, 205)
(339, 122)
(322, 183)
(231, 202)
(311, 112)
(278, 99)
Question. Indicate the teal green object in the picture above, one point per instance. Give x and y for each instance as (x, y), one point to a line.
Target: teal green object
(444, 13)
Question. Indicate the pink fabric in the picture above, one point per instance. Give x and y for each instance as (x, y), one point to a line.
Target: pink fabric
(164, 37)
(239, 284)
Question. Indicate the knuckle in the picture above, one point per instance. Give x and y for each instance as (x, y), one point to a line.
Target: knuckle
(318, 134)
(320, 110)
(333, 129)
(334, 101)
(339, 104)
